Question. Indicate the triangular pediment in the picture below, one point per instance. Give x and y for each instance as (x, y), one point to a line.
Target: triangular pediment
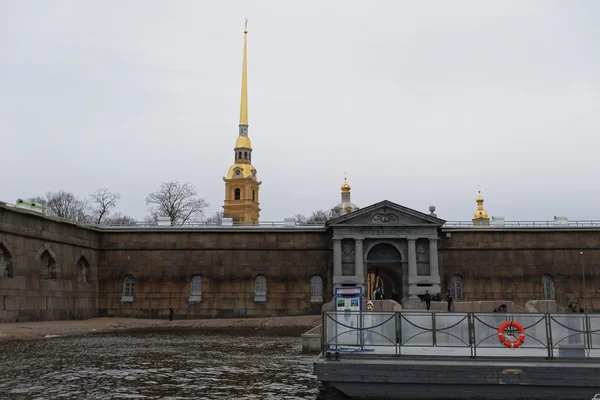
(386, 213)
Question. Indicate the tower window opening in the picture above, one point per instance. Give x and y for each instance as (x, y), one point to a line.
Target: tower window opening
(245, 155)
(237, 194)
(253, 195)
(240, 155)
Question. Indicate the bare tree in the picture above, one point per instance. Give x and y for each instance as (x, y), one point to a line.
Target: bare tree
(319, 217)
(103, 200)
(177, 202)
(216, 219)
(39, 200)
(64, 204)
(300, 218)
(120, 219)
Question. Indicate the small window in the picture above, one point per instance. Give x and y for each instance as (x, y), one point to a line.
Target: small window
(237, 194)
(245, 155)
(548, 287)
(316, 289)
(6, 269)
(47, 266)
(240, 155)
(196, 289)
(83, 271)
(128, 289)
(253, 195)
(260, 288)
(456, 285)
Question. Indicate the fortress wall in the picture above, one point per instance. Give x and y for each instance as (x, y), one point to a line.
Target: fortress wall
(163, 263)
(509, 263)
(24, 294)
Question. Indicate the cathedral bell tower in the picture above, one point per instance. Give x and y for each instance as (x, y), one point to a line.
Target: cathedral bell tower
(241, 183)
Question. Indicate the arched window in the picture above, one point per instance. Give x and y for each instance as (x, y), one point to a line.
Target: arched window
(237, 194)
(456, 285)
(253, 195)
(83, 271)
(245, 155)
(316, 289)
(196, 289)
(128, 289)
(548, 287)
(240, 155)
(47, 266)
(6, 268)
(260, 288)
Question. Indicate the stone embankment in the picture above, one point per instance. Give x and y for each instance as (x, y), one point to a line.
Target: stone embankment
(276, 326)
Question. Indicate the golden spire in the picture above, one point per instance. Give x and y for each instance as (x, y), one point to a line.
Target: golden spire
(244, 103)
(345, 186)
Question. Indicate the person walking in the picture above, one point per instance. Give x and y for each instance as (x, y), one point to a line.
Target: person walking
(427, 299)
(449, 298)
(171, 313)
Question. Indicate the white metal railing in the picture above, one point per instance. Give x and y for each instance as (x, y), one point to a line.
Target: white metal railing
(410, 333)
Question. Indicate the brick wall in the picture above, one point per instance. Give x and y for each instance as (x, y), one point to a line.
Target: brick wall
(24, 296)
(163, 263)
(509, 263)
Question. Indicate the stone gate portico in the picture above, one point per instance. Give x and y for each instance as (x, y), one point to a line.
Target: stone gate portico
(398, 242)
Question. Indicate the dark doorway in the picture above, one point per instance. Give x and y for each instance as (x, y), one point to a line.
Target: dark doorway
(384, 270)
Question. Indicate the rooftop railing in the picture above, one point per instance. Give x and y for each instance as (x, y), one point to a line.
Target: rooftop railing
(466, 335)
(525, 224)
(494, 223)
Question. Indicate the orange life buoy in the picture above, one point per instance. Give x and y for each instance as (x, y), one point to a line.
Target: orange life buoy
(503, 339)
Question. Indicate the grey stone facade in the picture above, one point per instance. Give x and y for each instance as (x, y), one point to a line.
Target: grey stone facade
(398, 242)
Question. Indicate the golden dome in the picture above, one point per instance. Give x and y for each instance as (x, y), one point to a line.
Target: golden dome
(245, 171)
(345, 186)
(480, 213)
(243, 142)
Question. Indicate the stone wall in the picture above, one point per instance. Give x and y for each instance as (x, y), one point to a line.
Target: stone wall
(48, 268)
(509, 263)
(228, 261)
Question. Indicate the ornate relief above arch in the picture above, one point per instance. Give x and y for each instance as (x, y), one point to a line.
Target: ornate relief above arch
(385, 217)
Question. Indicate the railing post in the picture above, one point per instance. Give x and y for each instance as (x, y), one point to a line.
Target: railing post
(399, 331)
(323, 334)
(549, 343)
(433, 332)
(471, 329)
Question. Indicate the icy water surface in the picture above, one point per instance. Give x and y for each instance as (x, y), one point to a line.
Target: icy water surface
(166, 365)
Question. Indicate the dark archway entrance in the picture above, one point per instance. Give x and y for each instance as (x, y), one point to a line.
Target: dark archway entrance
(384, 268)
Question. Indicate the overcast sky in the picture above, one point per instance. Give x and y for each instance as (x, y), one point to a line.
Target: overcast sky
(420, 102)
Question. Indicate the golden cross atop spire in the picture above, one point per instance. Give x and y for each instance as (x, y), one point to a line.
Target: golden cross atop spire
(244, 102)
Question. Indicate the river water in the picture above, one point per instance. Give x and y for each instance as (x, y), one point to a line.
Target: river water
(159, 365)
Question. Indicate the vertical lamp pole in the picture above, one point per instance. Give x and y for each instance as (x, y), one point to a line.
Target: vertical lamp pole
(584, 291)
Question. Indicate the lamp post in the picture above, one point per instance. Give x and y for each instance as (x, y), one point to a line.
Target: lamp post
(583, 274)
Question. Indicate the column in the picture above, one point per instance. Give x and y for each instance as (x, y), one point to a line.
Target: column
(412, 269)
(434, 269)
(337, 258)
(359, 271)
